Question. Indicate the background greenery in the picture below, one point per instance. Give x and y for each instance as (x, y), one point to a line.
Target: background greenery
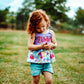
(56, 9)
(68, 68)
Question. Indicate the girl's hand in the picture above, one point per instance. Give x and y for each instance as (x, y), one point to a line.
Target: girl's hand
(51, 45)
(48, 46)
(45, 46)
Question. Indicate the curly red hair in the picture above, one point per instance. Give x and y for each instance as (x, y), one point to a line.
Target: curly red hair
(35, 18)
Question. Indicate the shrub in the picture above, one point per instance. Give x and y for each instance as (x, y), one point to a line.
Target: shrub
(66, 26)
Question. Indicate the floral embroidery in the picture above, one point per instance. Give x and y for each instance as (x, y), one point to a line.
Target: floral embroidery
(39, 53)
(47, 53)
(51, 56)
(31, 56)
(41, 56)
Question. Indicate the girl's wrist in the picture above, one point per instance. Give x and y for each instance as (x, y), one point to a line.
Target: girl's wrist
(55, 45)
(42, 46)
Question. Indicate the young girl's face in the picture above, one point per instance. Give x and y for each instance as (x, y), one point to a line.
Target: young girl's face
(42, 26)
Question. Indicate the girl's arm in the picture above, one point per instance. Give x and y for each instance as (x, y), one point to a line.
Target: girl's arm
(53, 45)
(31, 45)
(54, 39)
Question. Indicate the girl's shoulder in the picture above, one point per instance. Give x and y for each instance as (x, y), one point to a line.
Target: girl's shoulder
(51, 31)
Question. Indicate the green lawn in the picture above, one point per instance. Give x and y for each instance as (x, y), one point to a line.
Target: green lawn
(68, 68)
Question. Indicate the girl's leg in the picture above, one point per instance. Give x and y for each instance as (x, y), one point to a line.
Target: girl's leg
(48, 77)
(35, 79)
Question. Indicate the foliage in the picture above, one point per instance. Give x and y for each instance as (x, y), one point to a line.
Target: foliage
(66, 26)
(11, 18)
(80, 16)
(70, 24)
(55, 8)
(3, 15)
(23, 14)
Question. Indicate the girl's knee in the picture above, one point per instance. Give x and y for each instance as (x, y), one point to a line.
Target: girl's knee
(49, 81)
(36, 79)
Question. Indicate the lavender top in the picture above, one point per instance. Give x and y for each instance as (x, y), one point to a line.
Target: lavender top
(42, 38)
(41, 55)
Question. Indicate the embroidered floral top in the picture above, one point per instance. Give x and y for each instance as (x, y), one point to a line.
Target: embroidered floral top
(41, 55)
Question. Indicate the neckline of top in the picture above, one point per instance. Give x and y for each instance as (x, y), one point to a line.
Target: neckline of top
(44, 33)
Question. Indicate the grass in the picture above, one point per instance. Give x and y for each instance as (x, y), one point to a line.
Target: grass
(68, 68)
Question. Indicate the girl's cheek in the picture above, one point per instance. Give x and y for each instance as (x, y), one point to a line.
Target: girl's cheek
(45, 27)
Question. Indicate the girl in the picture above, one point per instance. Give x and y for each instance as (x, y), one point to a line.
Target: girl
(41, 42)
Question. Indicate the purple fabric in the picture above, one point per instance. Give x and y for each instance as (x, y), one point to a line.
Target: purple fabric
(42, 38)
(41, 55)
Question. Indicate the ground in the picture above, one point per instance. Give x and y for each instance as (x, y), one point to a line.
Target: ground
(68, 68)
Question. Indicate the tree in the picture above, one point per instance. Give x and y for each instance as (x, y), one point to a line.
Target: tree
(23, 14)
(55, 8)
(3, 14)
(12, 19)
(3, 17)
(80, 16)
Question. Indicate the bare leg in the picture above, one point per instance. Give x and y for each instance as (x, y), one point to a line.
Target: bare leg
(48, 77)
(35, 79)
